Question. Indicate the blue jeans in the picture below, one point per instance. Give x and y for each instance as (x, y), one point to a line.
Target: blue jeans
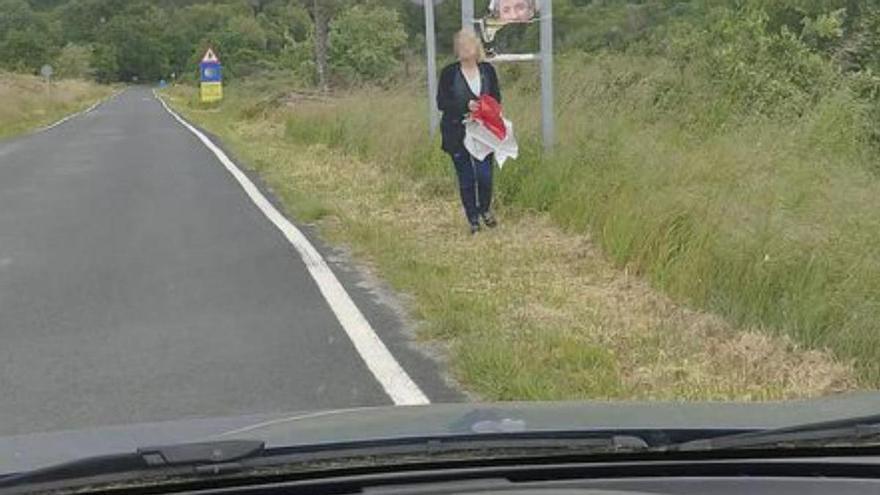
(474, 183)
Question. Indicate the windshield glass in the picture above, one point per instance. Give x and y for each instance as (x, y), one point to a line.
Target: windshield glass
(262, 219)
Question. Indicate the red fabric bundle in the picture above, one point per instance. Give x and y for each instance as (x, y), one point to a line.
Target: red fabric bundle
(489, 115)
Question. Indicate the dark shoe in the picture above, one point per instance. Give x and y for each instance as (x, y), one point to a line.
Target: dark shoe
(475, 227)
(489, 220)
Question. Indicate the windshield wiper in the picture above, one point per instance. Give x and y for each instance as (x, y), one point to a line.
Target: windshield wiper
(207, 456)
(233, 456)
(838, 433)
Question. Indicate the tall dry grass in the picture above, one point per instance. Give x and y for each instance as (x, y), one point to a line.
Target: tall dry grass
(27, 102)
(527, 311)
(772, 222)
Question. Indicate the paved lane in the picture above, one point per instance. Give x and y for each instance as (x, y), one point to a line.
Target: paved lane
(139, 283)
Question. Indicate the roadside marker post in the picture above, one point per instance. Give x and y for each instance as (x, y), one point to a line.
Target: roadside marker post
(211, 77)
(47, 71)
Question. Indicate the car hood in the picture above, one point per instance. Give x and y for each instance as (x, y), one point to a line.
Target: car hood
(31, 451)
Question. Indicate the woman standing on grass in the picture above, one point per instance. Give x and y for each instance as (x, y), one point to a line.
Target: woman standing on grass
(461, 84)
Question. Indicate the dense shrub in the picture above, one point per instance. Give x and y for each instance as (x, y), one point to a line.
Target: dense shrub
(365, 43)
(74, 61)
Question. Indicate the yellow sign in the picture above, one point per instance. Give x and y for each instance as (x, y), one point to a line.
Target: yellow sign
(211, 91)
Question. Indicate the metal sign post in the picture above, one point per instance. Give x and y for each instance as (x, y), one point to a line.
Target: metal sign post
(467, 14)
(544, 10)
(547, 121)
(47, 71)
(431, 42)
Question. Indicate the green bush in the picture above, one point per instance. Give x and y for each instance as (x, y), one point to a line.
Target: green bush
(25, 49)
(754, 69)
(104, 63)
(365, 43)
(74, 61)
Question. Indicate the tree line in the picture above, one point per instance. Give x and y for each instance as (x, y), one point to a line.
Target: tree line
(122, 40)
(327, 42)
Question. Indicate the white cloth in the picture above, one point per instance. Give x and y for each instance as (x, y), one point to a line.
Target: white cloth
(475, 83)
(480, 142)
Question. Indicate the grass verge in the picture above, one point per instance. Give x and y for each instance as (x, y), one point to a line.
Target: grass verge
(26, 102)
(528, 311)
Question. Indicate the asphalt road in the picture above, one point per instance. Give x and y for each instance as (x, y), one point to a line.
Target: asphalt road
(139, 283)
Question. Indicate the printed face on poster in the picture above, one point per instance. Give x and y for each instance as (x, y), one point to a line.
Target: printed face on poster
(513, 11)
(502, 13)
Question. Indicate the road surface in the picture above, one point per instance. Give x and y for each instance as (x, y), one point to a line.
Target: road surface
(139, 283)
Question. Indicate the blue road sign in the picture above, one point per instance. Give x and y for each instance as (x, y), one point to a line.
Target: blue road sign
(211, 75)
(211, 72)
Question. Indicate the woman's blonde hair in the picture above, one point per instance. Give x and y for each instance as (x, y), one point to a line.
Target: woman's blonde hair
(468, 36)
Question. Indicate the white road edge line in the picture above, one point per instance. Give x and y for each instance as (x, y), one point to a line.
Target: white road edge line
(81, 112)
(388, 372)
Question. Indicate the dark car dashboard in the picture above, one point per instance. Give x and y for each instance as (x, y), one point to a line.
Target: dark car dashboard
(686, 475)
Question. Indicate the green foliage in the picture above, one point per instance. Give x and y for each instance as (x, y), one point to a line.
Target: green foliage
(298, 57)
(104, 63)
(82, 20)
(824, 29)
(26, 49)
(241, 44)
(597, 25)
(371, 37)
(16, 15)
(27, 41)
(134, 39)
(366, 43)
(243, 32)
(152, 39)
(752, 67)
(771, 72)
(863, 47)
(74, 61)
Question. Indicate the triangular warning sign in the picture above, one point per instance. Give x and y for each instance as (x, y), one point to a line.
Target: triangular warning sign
(210, 56)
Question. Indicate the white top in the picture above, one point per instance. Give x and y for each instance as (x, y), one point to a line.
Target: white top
(475, 83)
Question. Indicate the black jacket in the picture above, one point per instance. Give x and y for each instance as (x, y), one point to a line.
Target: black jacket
(453, 95)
